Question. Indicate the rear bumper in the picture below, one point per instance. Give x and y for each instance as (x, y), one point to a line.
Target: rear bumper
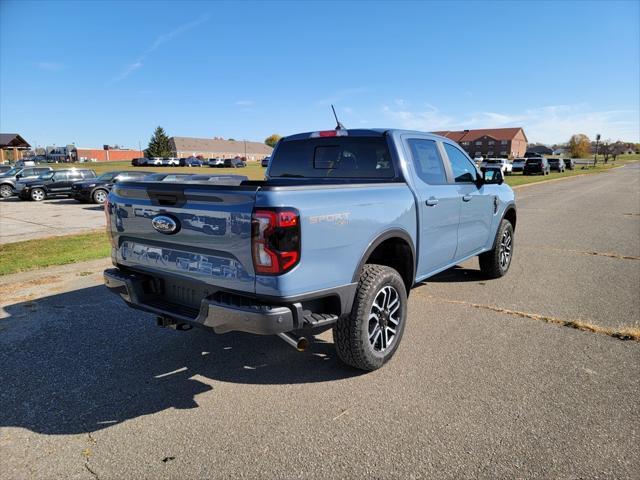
(221, 311)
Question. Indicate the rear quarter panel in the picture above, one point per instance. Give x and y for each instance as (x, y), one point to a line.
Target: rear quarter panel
(338, 223)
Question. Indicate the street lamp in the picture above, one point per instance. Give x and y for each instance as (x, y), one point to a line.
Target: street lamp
(595, 157)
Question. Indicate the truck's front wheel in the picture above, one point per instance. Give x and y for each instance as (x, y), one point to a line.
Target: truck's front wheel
(369, 336)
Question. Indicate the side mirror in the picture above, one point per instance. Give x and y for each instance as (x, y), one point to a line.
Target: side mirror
(19, 175)
(492, 176)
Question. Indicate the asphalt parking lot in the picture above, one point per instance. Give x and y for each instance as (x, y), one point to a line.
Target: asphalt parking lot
(26, 220)
(485, 385)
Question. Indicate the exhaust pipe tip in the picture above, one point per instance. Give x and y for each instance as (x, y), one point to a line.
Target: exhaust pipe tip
(303, 344)
(299, 343)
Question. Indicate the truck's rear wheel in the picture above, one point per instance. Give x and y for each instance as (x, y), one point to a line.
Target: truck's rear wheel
(496, 262)
(369, 336)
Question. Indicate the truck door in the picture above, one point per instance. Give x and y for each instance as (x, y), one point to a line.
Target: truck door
(476, 203)
(438, 205)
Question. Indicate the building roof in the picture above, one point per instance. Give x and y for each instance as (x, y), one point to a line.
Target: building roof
(188, 144)
(12, 140)
(473, 135)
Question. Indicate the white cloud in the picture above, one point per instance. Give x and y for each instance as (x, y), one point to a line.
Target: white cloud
(245, 103)
(157, 43)
(548, 124)
(50, 66)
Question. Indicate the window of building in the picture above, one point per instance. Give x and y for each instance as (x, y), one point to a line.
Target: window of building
(477, 154)
(503, 142)
(491, 142)
(465, 143)
(503, 152)
(464, 171)
(478, 143)
(490, 153)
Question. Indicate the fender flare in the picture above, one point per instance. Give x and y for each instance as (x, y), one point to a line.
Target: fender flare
(511, 206)
(386, 235)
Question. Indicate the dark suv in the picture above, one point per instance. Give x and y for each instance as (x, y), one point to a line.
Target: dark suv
(54, 183)
(234, 163)
(534, 166)
(556, 164)
(9, 180)
(97, 189)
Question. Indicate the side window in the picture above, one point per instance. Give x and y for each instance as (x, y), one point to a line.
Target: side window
(60, 176)
(28, 172)
(427, 161)
(463, 170)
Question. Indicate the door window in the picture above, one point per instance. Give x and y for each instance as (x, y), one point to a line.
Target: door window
(427, 161)
(464, 171)
(60, 176)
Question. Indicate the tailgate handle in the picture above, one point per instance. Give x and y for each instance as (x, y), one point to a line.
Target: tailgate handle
(167, 197)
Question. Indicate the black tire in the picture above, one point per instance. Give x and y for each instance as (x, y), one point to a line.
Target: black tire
(38, 194)
(6, 191)
(99, 196)
(492, 263)
(355, 339)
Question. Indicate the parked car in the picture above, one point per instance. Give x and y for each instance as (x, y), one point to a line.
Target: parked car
(536, 165)
(518, 164)
(97, 189)
(234, 163)
(191, 162)
(54, 183)
(345, 224)
(170, 162)
(25, 163)
(216, 162)
(139, 162)
(166, 177)
(10, 179)
(501, 163)
(569, 163)
(556, 164)
(265, 161)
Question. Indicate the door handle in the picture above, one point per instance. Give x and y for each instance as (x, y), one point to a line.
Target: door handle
(432, 202)
(467, 198)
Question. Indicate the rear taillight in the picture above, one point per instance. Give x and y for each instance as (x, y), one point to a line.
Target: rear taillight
(275, 240)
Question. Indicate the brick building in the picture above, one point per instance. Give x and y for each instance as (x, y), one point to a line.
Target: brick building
(183, 147)
(490, 142)
(106, 154)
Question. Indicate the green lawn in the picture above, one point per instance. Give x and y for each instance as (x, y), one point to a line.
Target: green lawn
(253, 170)
(45, 252)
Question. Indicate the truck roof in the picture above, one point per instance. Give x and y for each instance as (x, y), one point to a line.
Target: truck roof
(358, 132)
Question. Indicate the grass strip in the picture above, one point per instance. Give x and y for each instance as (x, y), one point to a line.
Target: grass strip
(46, 252)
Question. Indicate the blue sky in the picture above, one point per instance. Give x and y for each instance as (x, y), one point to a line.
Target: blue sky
(110, 72)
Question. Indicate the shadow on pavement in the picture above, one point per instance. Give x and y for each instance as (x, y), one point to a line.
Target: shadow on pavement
(81, 361)
(457, 274)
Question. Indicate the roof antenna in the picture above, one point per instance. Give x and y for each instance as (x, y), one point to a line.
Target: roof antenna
(339, 126)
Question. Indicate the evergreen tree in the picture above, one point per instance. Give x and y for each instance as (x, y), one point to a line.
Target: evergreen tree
(159, 145)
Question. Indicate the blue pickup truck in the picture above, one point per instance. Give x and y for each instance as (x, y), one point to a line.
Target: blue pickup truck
(345, 223)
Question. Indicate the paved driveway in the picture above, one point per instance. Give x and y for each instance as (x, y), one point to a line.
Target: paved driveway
(27, 220)
(482, 386)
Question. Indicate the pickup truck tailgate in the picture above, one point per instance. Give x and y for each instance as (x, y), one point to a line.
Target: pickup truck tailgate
(211, 241)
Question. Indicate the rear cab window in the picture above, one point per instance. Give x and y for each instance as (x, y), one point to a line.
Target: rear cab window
(333, 157)
(427, 161)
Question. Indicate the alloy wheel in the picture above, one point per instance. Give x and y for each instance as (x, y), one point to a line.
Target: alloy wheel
(384, 319)
(505, 249)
